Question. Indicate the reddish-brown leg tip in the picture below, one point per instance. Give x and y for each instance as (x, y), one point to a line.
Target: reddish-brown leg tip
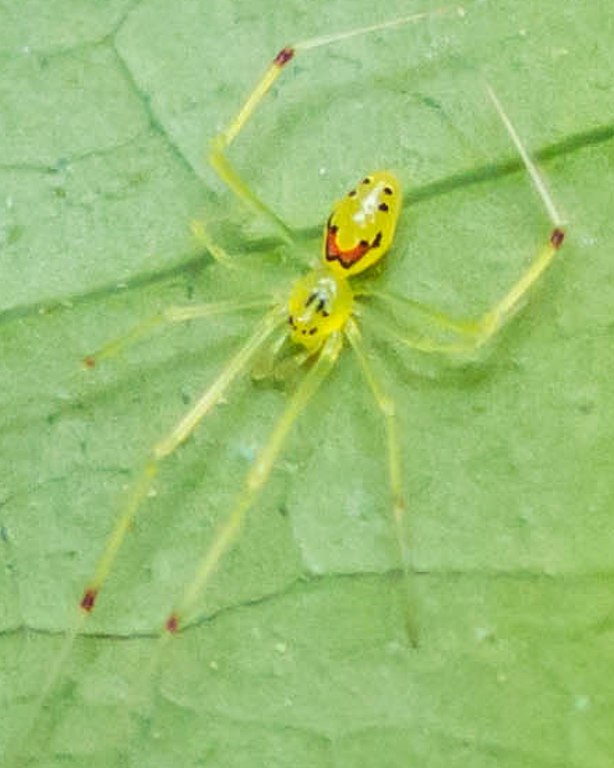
(557, 237)
(172, 623)
(284, 56)
(89, 361)
(88, 600)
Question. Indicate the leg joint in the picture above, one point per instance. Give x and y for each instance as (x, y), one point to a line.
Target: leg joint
(557, 237)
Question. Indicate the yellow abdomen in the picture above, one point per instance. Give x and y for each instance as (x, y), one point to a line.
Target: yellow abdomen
(361, 226)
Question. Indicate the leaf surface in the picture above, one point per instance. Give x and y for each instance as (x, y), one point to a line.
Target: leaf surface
(297, 655)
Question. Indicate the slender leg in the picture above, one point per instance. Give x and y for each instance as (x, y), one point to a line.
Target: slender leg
(439, 320)
(136, 497)
(201, 233)
(270, 367)
(474, 334)
(170, 442)
(254, 483)
(386, 406)
(173, 314)
(224, 139)
(538, 180)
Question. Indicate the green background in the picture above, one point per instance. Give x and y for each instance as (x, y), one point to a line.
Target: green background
(297, 656)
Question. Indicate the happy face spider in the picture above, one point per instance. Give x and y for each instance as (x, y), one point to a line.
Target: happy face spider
(319, 316)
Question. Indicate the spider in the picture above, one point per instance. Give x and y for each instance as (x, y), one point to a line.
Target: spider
(308, 331)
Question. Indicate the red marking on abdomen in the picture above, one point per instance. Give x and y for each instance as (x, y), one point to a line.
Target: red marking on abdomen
(88, 600)
(172, 623)
(352, 255)
(284, 56)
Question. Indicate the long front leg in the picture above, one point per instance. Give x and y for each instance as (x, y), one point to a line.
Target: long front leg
(471, 335)
(468, 336)
(222, 141)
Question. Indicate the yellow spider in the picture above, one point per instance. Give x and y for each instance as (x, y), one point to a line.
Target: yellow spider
(318, 315)
(314, 322)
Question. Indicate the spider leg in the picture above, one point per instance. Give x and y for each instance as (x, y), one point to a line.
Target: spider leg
(180, 432)
(255, 481)
(169, 315)
(387, 408)
(141, 488)
(472, 335)
(222, 141)
(204, 238)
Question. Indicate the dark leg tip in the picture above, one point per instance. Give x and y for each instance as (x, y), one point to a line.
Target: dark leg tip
(88, 600)
(172, 624)
(284, 56)
(557, 237)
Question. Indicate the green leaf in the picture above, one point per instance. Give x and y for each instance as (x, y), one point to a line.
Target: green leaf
(297, 654)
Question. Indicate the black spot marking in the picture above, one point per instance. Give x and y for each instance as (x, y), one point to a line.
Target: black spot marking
(377, 240)
(325, 313)
(363, 243)
(320, 306)
(312, 331)
(352, 193)
(383, 207)
(388, 190)
(367, 180)
(311, 299)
